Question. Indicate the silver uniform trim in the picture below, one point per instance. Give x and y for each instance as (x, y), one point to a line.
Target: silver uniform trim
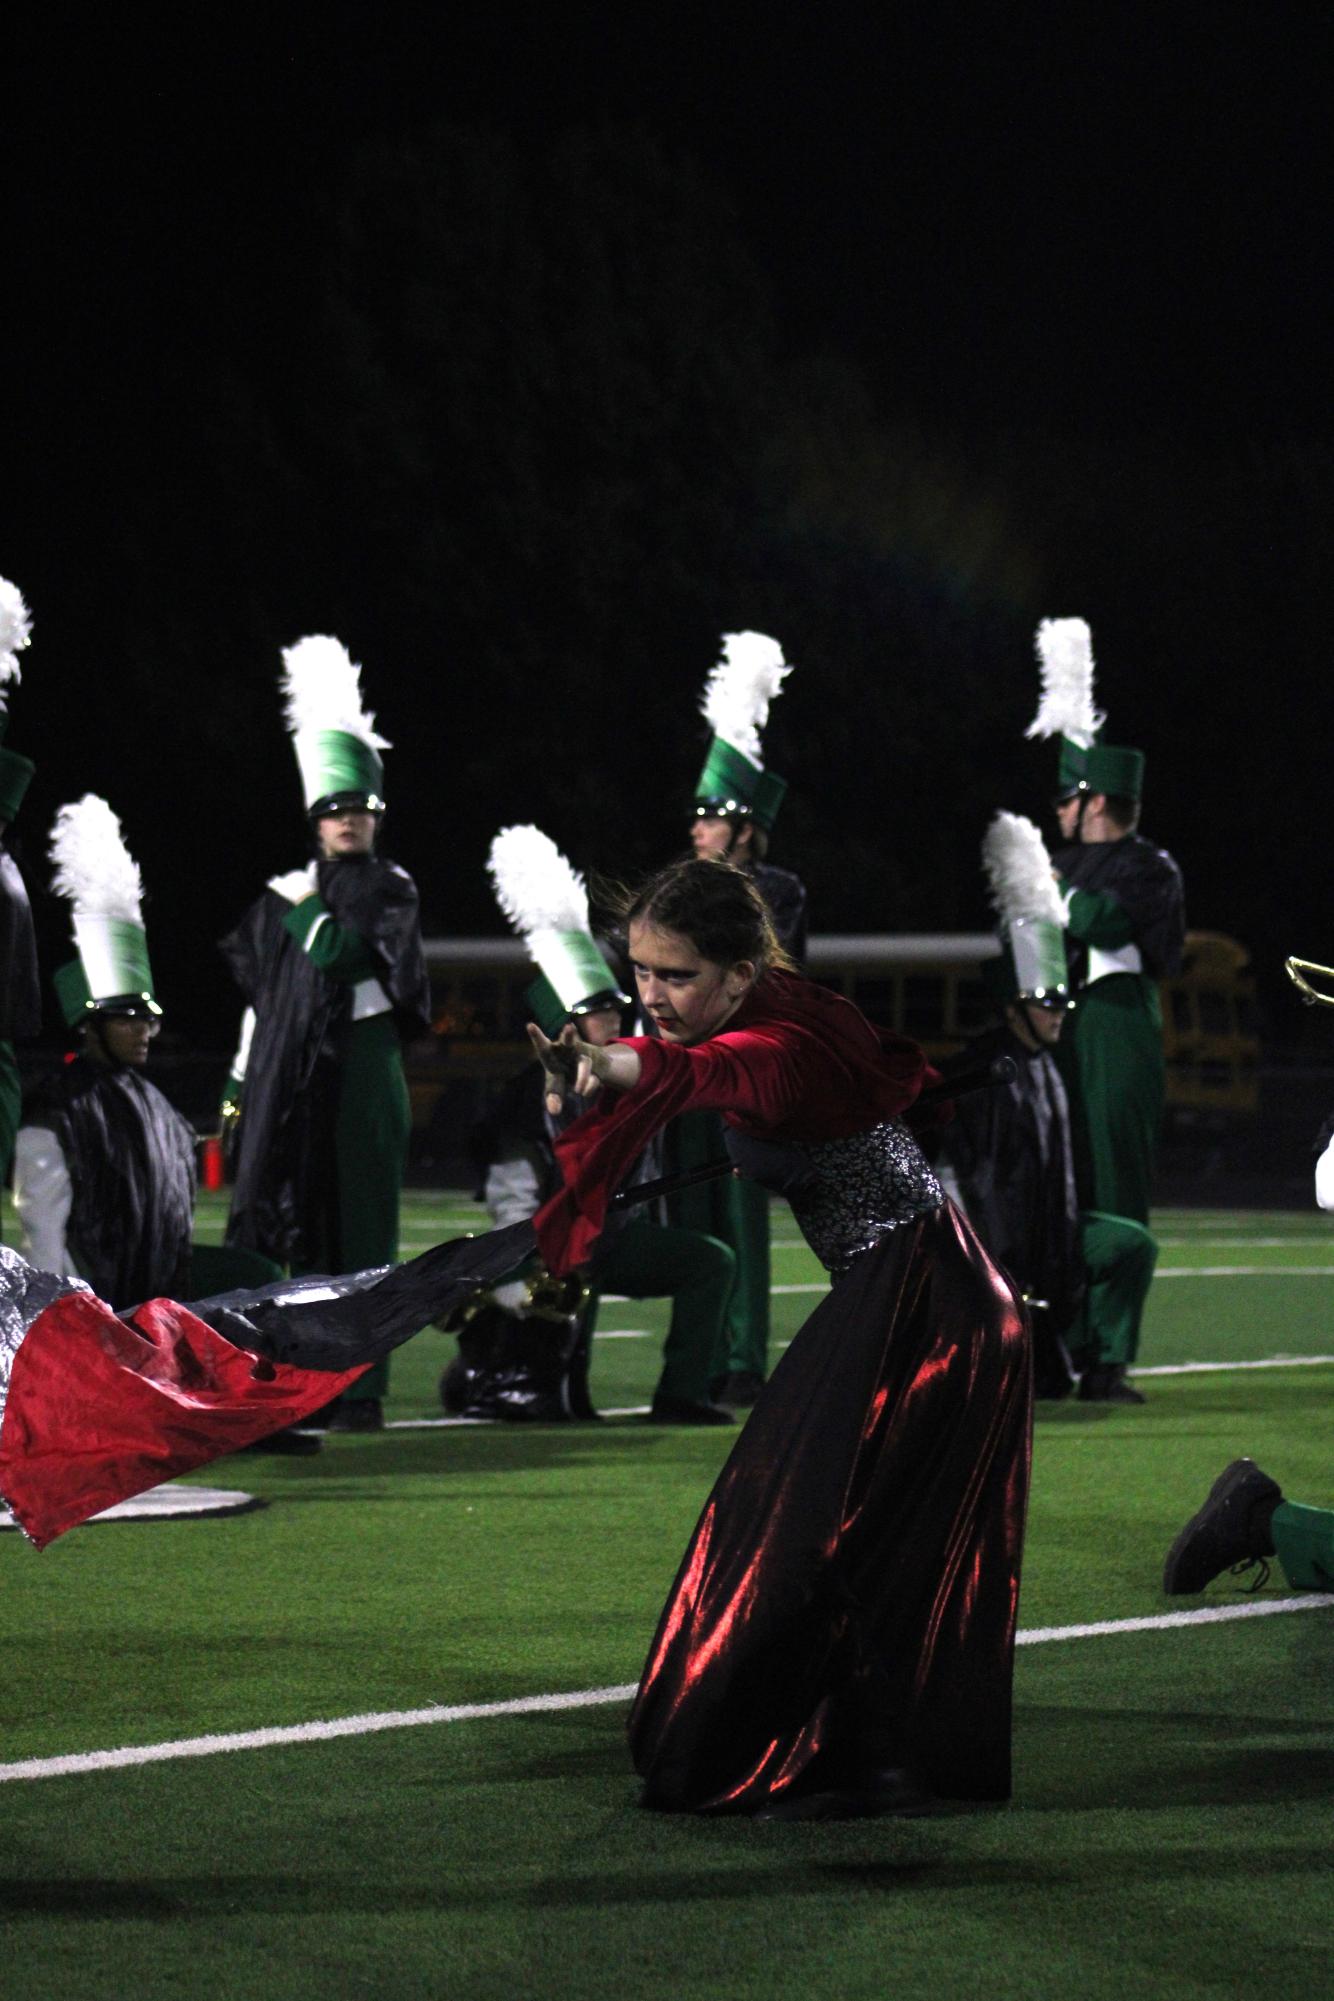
(368, 998)
(1126, 959)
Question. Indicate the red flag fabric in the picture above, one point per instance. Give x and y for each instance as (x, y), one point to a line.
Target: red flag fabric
(100, 1407)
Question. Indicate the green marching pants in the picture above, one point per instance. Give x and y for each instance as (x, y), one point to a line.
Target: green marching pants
(1110, 1056)
(736, 1213)
(1119, 1256)
(1304, 1540)
(697, 1273)
(11, 1102)
(371, 1130)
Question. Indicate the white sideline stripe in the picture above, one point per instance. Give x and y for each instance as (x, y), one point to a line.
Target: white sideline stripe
(1251, 1243)
(476, 1423)
(1208, 1615)
(1170, 1271)
(1226, 1368)
(1244, 1271)
(74, 1762)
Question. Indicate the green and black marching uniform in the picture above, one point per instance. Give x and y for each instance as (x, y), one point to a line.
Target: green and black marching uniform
(335, 983)
(1125, 922)
(330, 962)
(734, 785)
(1126, 913)
(104, 1165)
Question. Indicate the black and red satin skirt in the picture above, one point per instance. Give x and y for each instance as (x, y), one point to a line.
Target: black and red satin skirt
(849, 1596)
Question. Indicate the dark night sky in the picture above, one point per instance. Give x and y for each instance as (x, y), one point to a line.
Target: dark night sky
(1036, 302)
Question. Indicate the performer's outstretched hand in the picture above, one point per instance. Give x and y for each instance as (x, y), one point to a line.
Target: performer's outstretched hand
(570, 1063)
(567, 1063)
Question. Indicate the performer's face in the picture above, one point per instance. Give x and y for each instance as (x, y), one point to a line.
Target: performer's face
(688, 996)
(1045, 1023)
(718, 840)
(127, 1037)
(349, 833)
(1067, 817)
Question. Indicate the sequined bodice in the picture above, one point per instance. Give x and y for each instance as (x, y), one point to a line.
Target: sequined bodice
(865, 1187)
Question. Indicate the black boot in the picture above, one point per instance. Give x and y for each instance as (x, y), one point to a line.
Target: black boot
(1106, 1383)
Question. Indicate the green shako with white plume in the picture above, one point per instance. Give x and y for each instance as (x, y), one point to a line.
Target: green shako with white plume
(15, 631)
(96, 873)
(1066, 709)
(734, 783)
(546, 901)
(337, 745)
(1032, 915)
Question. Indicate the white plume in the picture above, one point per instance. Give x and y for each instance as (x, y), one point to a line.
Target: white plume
(535, 885)
(1065, 655)
(321, 686)
(1019, 875)
(740, 688)
(94, 868)
(15, 631)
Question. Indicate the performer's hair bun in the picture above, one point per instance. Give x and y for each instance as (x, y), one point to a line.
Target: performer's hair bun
(717, 907)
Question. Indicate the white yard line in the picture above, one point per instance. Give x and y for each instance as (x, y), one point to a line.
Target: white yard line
(73, 1763)
(1244, 1271)
(456, 1423)
(1325, 1242)
(1225, 1368)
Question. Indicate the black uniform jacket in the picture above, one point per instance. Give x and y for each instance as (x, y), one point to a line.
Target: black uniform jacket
(20, 995)
(785, 895)
(1146, 882)
(131, 1162)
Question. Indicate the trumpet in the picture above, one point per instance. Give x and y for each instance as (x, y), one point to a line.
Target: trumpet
(1297, 969)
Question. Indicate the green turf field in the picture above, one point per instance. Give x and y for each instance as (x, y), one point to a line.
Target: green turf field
(1171, 1829)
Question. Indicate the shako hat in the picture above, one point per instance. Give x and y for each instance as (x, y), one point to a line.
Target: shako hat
(95, 871)
(547, 903)
(1087, 764)
(736, 698)
(1031, 912)
(15, 630)
(336, 743)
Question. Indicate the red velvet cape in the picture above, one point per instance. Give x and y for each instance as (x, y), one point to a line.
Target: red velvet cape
(795, 1062)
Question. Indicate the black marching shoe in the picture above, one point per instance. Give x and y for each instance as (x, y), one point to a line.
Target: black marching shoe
(684, 1410)
(1231, 1529)
(1106, 1383)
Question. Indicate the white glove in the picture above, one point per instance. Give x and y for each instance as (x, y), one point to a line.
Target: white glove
(296, 885)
